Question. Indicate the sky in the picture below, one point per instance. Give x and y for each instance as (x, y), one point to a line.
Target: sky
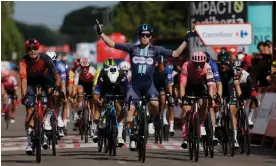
(51, 13)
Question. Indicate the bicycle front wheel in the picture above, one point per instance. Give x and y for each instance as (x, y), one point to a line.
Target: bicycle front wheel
(38, 129)
(54, 134)
(196, 135)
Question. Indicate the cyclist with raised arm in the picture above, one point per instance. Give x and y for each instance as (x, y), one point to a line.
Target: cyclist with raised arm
(9, 89)
(197, 79)
(61, 68)
(143, 58)
(37, 69)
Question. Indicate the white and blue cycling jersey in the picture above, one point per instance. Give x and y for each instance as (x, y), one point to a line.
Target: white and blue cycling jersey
(215, 70)
(61, 68)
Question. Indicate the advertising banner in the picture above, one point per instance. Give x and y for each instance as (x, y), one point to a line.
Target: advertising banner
(225, 34)
(260, 16)
(215, 12)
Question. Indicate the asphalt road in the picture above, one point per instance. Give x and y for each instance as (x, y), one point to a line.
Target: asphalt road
(72, 152)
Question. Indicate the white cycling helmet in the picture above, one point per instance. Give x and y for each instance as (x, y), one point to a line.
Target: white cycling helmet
(52, 54)
(240, 56)
(124, 65)
(113, 73)
(84, 62)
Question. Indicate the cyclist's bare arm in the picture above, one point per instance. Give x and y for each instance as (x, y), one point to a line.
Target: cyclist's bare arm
(108, 40)
(179, 50)
(23, 77)
(237, 87)
(219, 88)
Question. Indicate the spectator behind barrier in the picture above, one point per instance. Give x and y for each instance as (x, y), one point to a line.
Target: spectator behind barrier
(261, 63)
(272, 78)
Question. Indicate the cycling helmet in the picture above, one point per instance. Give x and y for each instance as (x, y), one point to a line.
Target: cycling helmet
(208, 56)
(84, 62)
(113, 73)
(225, 61)
(51, 54)
(5, 74)
(31, 43)
(109, 62)
(238, 63)
(222, 56)
(240, 56)
(144, 27)
(199, 57)
(124, 66)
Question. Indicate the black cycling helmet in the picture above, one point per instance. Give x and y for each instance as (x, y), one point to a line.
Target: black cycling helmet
(208, 56)
(144, 27)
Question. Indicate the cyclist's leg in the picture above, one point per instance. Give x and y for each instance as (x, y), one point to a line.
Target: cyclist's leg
(163, 106)
(77, 104)
(60, 123)
(95, 112)
(171, 109)
(153, 105)
(130, 113)
(12, 100)
(233, 109)
(185, 121)
(120, 118)
(29, 120)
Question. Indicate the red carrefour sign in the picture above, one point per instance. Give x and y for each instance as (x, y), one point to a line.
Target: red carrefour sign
(104, 52)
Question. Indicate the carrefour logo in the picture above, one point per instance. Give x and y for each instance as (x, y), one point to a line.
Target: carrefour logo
(142, 60)
(242, 33)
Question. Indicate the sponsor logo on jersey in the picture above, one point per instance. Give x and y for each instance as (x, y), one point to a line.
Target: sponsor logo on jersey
(142, 60)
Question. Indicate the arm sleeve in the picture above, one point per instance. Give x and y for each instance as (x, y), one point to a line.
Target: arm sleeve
(215, 72)
(163, 51)
(123, 46)
(51, 66)
(62, 72)
(23, 69)
(169, 70)
(209, 74)
(250, 83)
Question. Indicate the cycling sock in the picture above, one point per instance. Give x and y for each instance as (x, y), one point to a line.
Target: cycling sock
(171, 125)
(29, 138)
(60, 112)
(120, 130)
(235, 134)
(165, 116)
(48, 114)
(250, 114)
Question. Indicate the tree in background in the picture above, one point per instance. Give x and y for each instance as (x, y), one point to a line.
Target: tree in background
(43, 34)
(168, 19)
(11, 39)
(80, 25)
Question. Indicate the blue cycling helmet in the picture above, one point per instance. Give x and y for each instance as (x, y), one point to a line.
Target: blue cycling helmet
(144, 27)
(208, 56)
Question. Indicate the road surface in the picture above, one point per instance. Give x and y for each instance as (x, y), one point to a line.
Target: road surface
(73, 152)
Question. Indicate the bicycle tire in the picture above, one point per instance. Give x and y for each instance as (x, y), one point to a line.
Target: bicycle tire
(166, 132)
(231, 134)
(38, 139)
(224, 133)
(54, 134)
(196, 135)
(114, 136)
(210, 134)
(247, 134)
(105, 141)
(144, 140)
(85, 124)
(7, 118)
(100, 142)
(190, 136)
(205, 146)
(240, 130)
